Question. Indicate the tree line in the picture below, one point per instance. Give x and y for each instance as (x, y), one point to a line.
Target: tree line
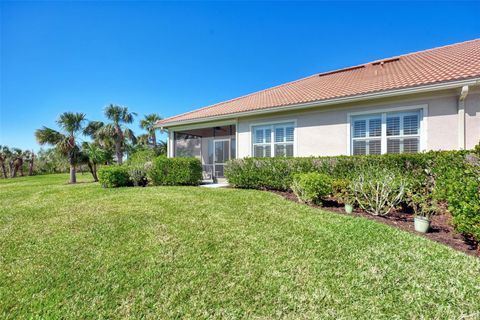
(108, 143)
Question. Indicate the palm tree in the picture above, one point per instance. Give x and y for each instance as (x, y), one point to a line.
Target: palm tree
(30, 158)
(148, 123)
(94, 155)
(162, 148)
(4, 155)
(92, 130)
(16, 162)
(143, 139)
(116, 130)
(65, 142)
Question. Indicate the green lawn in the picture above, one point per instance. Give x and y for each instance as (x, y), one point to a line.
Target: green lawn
(80, 251)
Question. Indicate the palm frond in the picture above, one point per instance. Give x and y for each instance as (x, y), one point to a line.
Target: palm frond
(148, 122)
(48, 136)
(66, 146)
(106, 131)
(92, 128)
(143, 139)
(128, 133)
(127, 117)
(71, 122)
(162, 148)
(113, 112)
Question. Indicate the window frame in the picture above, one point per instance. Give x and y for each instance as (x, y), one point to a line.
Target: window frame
(272, 125)
(367, 138)
(403, 110)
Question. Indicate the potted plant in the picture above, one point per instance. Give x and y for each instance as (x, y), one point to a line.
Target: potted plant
(424, 206)
(421, 223)
(343, 195)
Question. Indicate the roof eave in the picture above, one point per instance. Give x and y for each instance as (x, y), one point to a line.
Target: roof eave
(318, 103)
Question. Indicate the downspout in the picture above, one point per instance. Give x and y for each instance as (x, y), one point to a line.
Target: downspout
(461, 117)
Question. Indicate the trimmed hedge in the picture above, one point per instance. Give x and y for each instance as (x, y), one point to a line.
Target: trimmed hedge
(456, 176)
(114, 176)
(277, 173)
(458, 182)
(175, 171)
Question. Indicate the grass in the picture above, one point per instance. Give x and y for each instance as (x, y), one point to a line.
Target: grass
(80, 251)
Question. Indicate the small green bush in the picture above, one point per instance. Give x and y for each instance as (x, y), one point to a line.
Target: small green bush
(175, 171)
(311, 187)
(342, 191)
(114, 176)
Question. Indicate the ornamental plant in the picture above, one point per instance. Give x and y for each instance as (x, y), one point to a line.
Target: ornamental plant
(342, 191)
(378, 191)
(114, 176)
(311, 187)
(175, 171)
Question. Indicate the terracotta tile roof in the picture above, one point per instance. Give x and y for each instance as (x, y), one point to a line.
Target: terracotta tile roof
(448, 63)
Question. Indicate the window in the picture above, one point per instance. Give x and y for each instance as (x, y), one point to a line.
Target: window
(395, 132)
(274, 140)
(367, 133)
(403, 132)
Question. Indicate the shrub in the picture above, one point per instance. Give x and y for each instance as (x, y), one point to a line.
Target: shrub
(378, 191)
(342, 191)
(455, 177)
(140, 157)
(311, 187)
(114, 176)
(138, 175)
(277, 173)
(458, 182)
(175, 171)
(419, 196)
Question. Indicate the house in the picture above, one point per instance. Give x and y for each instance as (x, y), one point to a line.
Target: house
(427, 100)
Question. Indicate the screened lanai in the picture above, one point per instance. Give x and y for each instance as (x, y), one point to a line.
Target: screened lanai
(214, 146)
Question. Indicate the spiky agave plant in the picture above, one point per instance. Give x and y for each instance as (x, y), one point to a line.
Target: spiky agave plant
(65, 142)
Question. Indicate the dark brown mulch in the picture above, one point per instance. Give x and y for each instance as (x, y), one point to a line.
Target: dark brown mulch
(441, 229)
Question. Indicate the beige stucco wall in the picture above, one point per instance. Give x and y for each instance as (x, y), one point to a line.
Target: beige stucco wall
(324, 132)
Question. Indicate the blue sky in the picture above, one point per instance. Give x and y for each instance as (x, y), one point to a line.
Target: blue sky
(174, 57)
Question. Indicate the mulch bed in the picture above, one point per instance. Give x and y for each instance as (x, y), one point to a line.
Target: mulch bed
(441, 229)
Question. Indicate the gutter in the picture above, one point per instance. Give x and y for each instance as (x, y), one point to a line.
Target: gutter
(367, 96)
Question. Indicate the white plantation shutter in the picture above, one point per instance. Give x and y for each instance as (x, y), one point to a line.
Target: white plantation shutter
(359, 147)
(367, 132)
(375, 127)
(259, 138)
(393, 126)
(262, 137)
(410, 124)
(402, 133)
(359, 128)
(282, 142)
(289, 135)
(279, 134)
